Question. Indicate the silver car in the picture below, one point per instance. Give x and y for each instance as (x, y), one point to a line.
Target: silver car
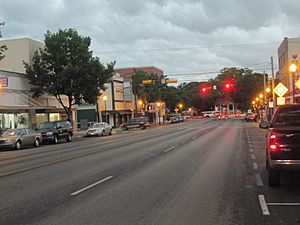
(99, 129)
(16, 138)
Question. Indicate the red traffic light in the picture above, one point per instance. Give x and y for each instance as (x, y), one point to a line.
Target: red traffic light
(204, 89)
(228, 86)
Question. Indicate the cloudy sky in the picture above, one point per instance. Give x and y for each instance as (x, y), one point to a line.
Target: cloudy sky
(189, 39)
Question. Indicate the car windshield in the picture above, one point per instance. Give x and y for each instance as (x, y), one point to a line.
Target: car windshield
(11, 133)
(97, 125)
(46, 125)
(288, 116)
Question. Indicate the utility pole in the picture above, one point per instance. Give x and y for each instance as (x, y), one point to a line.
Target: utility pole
(1, 24)
(273, 85)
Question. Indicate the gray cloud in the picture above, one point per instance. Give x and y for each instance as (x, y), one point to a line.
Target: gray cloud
(163, 24)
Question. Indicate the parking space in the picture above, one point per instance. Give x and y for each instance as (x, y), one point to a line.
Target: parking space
(277, 205)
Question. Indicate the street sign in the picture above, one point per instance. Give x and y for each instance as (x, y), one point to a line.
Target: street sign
(280, 90)
(214, 87)
(281, 101)
(298, 84)
(271, 104)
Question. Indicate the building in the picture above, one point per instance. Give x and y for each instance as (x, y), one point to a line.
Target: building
(286, 50)
(129, 71)
(17, 108)
(114, 106)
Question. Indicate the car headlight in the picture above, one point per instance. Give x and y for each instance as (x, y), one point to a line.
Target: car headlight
(7, 140)
(49, 133)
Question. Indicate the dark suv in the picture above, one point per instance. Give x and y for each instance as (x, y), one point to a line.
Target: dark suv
(53, 131)
(140, 122)
(283, 142)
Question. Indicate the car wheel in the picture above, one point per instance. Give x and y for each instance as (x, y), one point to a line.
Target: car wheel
(36, 142)
(18, 145)
(110, 132)
(102, 133)
(69, 139)
(273, 177)
(125, 128)
(55, 139)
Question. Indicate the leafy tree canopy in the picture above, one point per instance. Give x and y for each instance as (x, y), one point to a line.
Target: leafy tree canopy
(66, 67)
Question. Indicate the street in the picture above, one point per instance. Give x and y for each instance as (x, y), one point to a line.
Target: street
(196, 172)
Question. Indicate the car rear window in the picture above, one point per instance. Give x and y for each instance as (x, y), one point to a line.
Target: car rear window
(287, 116)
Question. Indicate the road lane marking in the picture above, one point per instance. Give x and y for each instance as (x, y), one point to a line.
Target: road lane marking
(251, 149)
(263, 205)
(92, 185)
(259, 181)
(169, 149)
(253, 156)
(255, 166)
(194, 138)
(249, 141)
(283, 204)
(251, 146)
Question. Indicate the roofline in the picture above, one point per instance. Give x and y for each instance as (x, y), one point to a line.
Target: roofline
(23, 38)
(140, 67)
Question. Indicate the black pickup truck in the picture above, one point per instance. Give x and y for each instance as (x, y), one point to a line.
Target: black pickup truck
(282, 142)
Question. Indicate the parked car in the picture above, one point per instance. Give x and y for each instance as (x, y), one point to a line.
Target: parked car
(17, 138)
(139, 122)
(282, 142)
(99, 129)
(250, 117)
(56, 130)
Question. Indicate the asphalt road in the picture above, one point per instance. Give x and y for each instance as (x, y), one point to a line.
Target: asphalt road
(197, 172)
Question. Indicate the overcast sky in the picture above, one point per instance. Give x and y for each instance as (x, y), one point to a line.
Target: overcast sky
(180, 36)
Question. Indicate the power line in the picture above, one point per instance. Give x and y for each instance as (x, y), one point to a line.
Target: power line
(190, 48)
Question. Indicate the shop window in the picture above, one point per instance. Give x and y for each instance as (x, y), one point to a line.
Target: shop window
(54, 116)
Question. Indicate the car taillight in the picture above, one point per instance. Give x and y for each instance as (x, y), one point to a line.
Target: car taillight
(273, 145)
(147, 123)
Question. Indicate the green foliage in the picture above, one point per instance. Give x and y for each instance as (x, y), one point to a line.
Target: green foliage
(3, 48)
(66, 67)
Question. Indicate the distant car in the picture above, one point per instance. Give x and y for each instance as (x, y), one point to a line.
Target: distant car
(56, 130)
(139, 122)
(250, 117)
(99, 129)
(208, 114)
(17, 138)
(282, 142)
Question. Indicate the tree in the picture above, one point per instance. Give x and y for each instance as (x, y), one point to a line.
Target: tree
(66, 67)
(3, 48)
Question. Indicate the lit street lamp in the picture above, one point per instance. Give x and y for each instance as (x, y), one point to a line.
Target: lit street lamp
(158, 104)
(261, 96)
(293, 70)
(105, 98)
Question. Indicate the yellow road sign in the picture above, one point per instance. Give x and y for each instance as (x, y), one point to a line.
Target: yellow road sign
(281, 101)
(280, 90)
(298, 84)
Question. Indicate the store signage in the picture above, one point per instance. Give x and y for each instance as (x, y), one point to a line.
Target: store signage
(4, 81)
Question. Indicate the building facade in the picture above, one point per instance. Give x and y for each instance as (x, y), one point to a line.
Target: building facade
(114, 105)
(288, 48)
(17, 107)
(127, 73)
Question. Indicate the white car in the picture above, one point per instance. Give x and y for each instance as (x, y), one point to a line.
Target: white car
(99, 129)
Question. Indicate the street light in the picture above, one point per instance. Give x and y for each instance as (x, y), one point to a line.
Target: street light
(268, 90)
(158, 105)
(257, 99)
(261, 96)
(140, 102)
(180, 106)
(293, 70)
(105, 98)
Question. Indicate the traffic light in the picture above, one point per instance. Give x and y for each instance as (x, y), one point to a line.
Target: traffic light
(147, 81)
(204, 89)
(228, 85)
